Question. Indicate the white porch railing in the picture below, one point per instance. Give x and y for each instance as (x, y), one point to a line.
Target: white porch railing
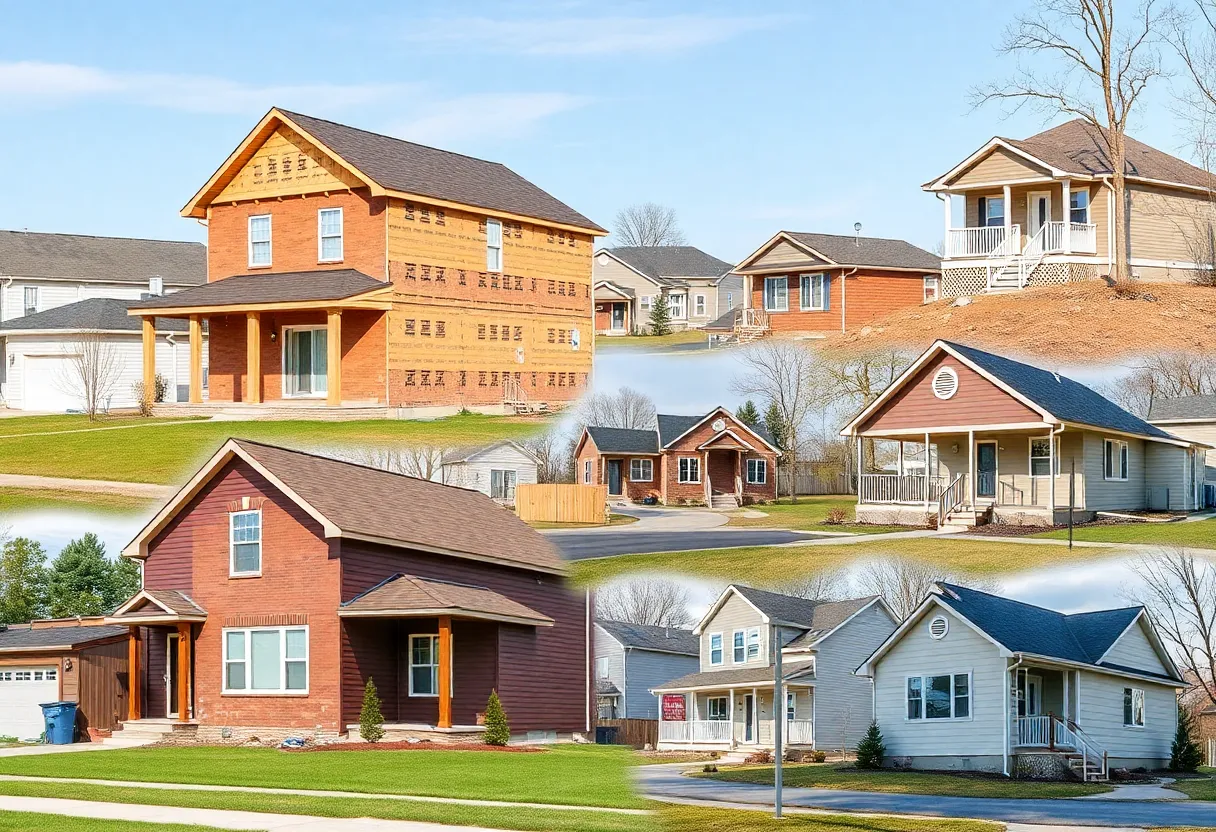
(1212, 752)
(951, 498)
(1084, 238)
(983, 242)
(800, 732)
(993, 241)
(695, 730)
(898, 488)
(752, 317)
(1052, 732)
(1034, 731)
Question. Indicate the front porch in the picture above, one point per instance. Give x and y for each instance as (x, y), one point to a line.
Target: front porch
(613, 309)
(738, 718)
(1046, 736)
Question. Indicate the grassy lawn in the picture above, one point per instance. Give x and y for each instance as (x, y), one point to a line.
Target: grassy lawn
(644, 342)
(1199, 788)
(558, 820)
(773, 565)
(15, 500)
(16, 425)
(830, 776)
(1200, 533)
(808, 514)
(169, 453)
(25, 821)
(565, 774)
(697, 819)
(613, 520)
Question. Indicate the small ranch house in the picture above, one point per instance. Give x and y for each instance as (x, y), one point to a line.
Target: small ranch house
(728, 703)
(632, 659)
(1006, 440)
(974, 681)
(628, 279)
(494, 470)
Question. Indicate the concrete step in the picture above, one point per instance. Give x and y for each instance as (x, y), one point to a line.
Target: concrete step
(723, 501)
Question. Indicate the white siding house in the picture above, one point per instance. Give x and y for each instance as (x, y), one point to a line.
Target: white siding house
(494, 470)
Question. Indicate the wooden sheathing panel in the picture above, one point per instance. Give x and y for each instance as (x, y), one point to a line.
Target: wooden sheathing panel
(999, 166)
(286, 164)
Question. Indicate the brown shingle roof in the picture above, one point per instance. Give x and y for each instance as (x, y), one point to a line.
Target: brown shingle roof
(404, 511)
(85, 258)
(176, 601)
(278, 287)
(410, 593)
(845, 250)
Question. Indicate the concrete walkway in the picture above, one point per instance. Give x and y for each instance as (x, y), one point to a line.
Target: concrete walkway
(1141, 791)
(149, 491)
(217, 818)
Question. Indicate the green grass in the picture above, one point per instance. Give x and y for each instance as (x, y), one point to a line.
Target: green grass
(16, 425)
(169, 453)
(830, 776)
(613, 520)
(697, 819)
(643, 342)
(1199, 788)
(558, 820)
(809, 514)
(566, 774)
(1200, 533)
(17, 500)
(25, 821)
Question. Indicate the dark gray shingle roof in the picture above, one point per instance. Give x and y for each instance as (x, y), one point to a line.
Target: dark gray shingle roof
(672, 427)
(1183, 407)
(816, 616)
(660, 262)
(94, 314)
(428, 171)
(646, 637)
(85, 258)
(19, 637)
(329, 284)
(869, 251)
(624, 440)
(829, 615)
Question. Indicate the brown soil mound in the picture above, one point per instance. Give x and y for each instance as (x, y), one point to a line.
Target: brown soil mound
(1076, 322)
(420, 746)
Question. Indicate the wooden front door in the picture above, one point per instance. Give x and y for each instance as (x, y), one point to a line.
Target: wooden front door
(614, 477)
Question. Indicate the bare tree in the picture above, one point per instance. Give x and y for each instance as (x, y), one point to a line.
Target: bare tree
(555, 451)
(1081, 63)
(1178, 591)
(904, 583)
(652, 601)
(647, 224)
(1163, 376)
(858, 380)
(93, 372)
(626, 408)
(423, 462)
(821, 585)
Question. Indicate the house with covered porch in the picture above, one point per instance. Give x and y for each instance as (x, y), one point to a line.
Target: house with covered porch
(1009, 442)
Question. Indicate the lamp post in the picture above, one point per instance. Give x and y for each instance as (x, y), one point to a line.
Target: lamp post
(778, 723)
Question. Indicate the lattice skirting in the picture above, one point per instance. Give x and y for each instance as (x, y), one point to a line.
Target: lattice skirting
(973, 280)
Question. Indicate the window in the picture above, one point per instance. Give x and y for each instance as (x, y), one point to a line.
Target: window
(690, 469)
(715, 648)
(266, 660)
(587, 466)
(718, 708)
(932, 288)
(757, 472)
(31, 300)
(739, 655)
(601, 667)
(945, 696)
(1078, 206)
(753, 644)
(1114, 457)
(679, 305)
(502, 484)
(914, 698)
(644, 301)
(1040, 457)
(730, 301)
(424, 665)
(812, 292)
(156, 286)
(1133, 707)
(329, 229)
(699, 305)
(962, 696)
(259, 241)
(992, 210)
(641, 470)
(791, 706)
(245, 542)
(493, 246)
(776, 294)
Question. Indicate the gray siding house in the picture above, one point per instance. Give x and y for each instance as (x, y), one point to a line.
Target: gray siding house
(728, 703)
(1192, 418)
(699, 287)
(632, 659)
(973, 681)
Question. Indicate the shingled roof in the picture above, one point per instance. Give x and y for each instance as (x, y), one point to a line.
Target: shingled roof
(101, 259)
(757, 674)
(1183, 409)
(411, 594)
(21, 638)
(663, 263)
(278, 287)
(624, 440)
(646, 637)
(92, 315)
(845, 250)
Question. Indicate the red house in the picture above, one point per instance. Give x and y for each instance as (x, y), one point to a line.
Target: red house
(276, 583)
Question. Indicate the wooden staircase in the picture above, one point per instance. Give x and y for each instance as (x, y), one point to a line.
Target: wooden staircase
(751, 325)
(515, 399)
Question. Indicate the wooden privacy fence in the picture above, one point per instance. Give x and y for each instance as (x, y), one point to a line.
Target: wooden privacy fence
(561, 503)
(635, 732)
(808, 482)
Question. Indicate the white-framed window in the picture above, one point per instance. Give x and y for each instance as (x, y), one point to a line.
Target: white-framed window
(678, 302)
(776, 294)
(1114, 459)
(932, 289)
(715, 648)
(30, 297)
(939, 696)
(259, 241)
(812, 292)
(739, 648)
(587, 468)
(1133, 707)
(753, 644)
(329, 235)
(493, 246)
(644, 302)
(757, 471)
(1078, 206)
(424, 665)
(245, 543)
(262, 660)
(791, 706)
(641, 470)
(717, 708)
(502, 484)
(601, 667)
(992, 211)
(156, 286)
(698, 305)
(689, 469)
(1040, 456)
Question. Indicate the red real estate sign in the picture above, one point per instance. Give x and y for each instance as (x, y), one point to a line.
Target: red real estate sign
(673, 707)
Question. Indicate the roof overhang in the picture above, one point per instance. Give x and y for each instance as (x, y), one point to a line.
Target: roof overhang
(934, 599)
(940, 183)
(1098, 668)
(454, 612)
(377, 299)
(719, 411)
(611, 287)
(1154, 638)
(631, 268)
(128, 615)
(713, 443)
(744, 265)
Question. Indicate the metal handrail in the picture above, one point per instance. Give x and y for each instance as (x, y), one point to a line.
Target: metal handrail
(950, 499)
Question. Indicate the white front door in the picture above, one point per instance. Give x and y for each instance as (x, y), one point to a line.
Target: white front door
(1038, 211)
(305, 361)
(22, 690)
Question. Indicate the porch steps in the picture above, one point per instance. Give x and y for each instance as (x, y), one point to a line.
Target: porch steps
(723, 502)
(965, 519)
(139, 732)
(1088, 772)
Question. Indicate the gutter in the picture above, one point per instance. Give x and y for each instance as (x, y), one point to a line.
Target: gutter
(1008, 721)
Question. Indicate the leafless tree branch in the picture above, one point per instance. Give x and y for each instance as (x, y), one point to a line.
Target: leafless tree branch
(647, 224)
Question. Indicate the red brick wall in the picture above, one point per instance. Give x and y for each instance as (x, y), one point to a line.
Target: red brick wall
(721, 466)
(869, 295)
(635, 491)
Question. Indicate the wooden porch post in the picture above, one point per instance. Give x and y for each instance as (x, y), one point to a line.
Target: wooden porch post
(1066, 204)
(928, 492)
(196, 359)
(333, 358)
(445, 672)
(731, 691)
(149, 356)
(253, 357)
(183, 672)
(134, 675)
(971, 467)
(1007, 196)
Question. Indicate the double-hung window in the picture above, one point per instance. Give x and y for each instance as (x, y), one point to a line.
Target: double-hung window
(931, 290)
(812, 292)
(739, 654)
(757, 471)
(718, 708)
(424, 665)
(502, 484)
(689, 469)
(329, 232)
(699, 306)
(641, 470)
(992, 211)
(678, 301)
(791, 706)
(944, 696)
(753, 644)
(1114, 459)
(1078, 206)
(259, 241)
(30, 296)
(1040, 457)
(266, 660)
(245, 542)
(1133, 707)
(493, 246)
(644, 302)
(715, 648)
(587, 469)
(776, 294)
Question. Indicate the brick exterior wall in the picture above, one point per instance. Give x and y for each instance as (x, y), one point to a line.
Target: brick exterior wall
(634, 491)
(868, 296)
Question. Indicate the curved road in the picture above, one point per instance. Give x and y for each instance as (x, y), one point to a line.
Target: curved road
(576, 545)
(659, 782)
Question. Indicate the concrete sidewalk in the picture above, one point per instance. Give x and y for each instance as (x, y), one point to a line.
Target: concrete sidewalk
(148, 491)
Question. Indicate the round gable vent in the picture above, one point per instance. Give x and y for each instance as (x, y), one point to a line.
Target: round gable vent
(938, 627)
(719, 425)
(945, 383)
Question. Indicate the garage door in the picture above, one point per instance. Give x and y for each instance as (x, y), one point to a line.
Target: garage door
(47, 380)
(22, 690)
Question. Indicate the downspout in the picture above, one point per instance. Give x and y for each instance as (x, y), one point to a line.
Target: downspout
(1008, 723)
(625, 683)
(844, 280)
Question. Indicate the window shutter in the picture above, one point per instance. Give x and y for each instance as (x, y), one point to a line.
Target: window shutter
(827, 292)
(982, 212)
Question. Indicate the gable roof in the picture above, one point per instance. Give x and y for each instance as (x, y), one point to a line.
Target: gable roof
(672, 428)
(364, 503)
(842, 250)
(276, 287)
(101, 259)
(92, 315)
(413, 169)
(466, 454)
(412, 595)
(623, 440)
(662, 263)
(647, 637)
(828, 616)
(815, 618)
(1183, 409)
(19, 638)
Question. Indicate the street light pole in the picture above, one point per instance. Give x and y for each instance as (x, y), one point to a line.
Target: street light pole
(778, 722)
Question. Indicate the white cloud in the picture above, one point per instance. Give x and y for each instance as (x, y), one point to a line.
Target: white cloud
(587, 35)
(502, 115)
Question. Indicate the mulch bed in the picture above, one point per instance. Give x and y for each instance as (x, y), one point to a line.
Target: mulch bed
(420, 746)
(1010, 530)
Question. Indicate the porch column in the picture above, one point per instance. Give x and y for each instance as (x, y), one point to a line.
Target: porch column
(1051, 474)
(731, 691)
(747, 291)
(134, 674)
(900, 458)
(445, 672)
(253, 357)
(1007, 195)
(148, 323)
(196, 359)
(1066, 203)
(709, 496)
(184, 648)
(333, 358)
(971, 467)
(927, 490)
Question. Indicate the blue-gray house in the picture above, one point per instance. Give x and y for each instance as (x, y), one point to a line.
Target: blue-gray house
(631, 659)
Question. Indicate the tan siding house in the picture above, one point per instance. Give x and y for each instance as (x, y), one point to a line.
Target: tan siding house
(699, 287)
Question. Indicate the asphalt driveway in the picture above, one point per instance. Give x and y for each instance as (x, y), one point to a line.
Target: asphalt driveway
(577, 545)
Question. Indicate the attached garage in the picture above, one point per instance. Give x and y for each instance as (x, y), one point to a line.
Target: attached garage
(48, 384)
(22, 689)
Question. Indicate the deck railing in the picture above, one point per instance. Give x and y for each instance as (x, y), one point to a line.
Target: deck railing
(695, 730)
(899, 488)
(983, 242)
(951, 498)
(1059, 734)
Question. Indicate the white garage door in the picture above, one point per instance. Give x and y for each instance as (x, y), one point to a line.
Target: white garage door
(47, 380)
(22, 690)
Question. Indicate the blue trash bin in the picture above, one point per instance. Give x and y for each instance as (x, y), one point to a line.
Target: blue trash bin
(60, 720)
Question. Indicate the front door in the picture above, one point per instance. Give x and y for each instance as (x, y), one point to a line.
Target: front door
(305, 361)
(1039, 208)
(614, 477)
(749, 714)
(1030, 694)
(985, 469)
(171, 700)
(618, 317)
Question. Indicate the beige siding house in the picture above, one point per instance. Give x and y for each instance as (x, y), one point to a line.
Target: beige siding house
(1039, 211)
(699, 287)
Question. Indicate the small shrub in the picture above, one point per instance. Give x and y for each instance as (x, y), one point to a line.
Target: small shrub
(143, 401)
(1185, 754)
(709, 769)
(835, 517)
(498, 729)
(871, 749)
(819, 756)
(760, 758)
(371, 719)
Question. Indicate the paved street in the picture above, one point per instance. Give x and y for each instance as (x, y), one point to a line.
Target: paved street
(622, 541)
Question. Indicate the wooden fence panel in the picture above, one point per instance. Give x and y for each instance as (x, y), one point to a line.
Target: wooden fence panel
(809, 483)
(635, 732)
(561, 503)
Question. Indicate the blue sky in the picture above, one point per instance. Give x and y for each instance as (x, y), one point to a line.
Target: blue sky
(745, 118)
